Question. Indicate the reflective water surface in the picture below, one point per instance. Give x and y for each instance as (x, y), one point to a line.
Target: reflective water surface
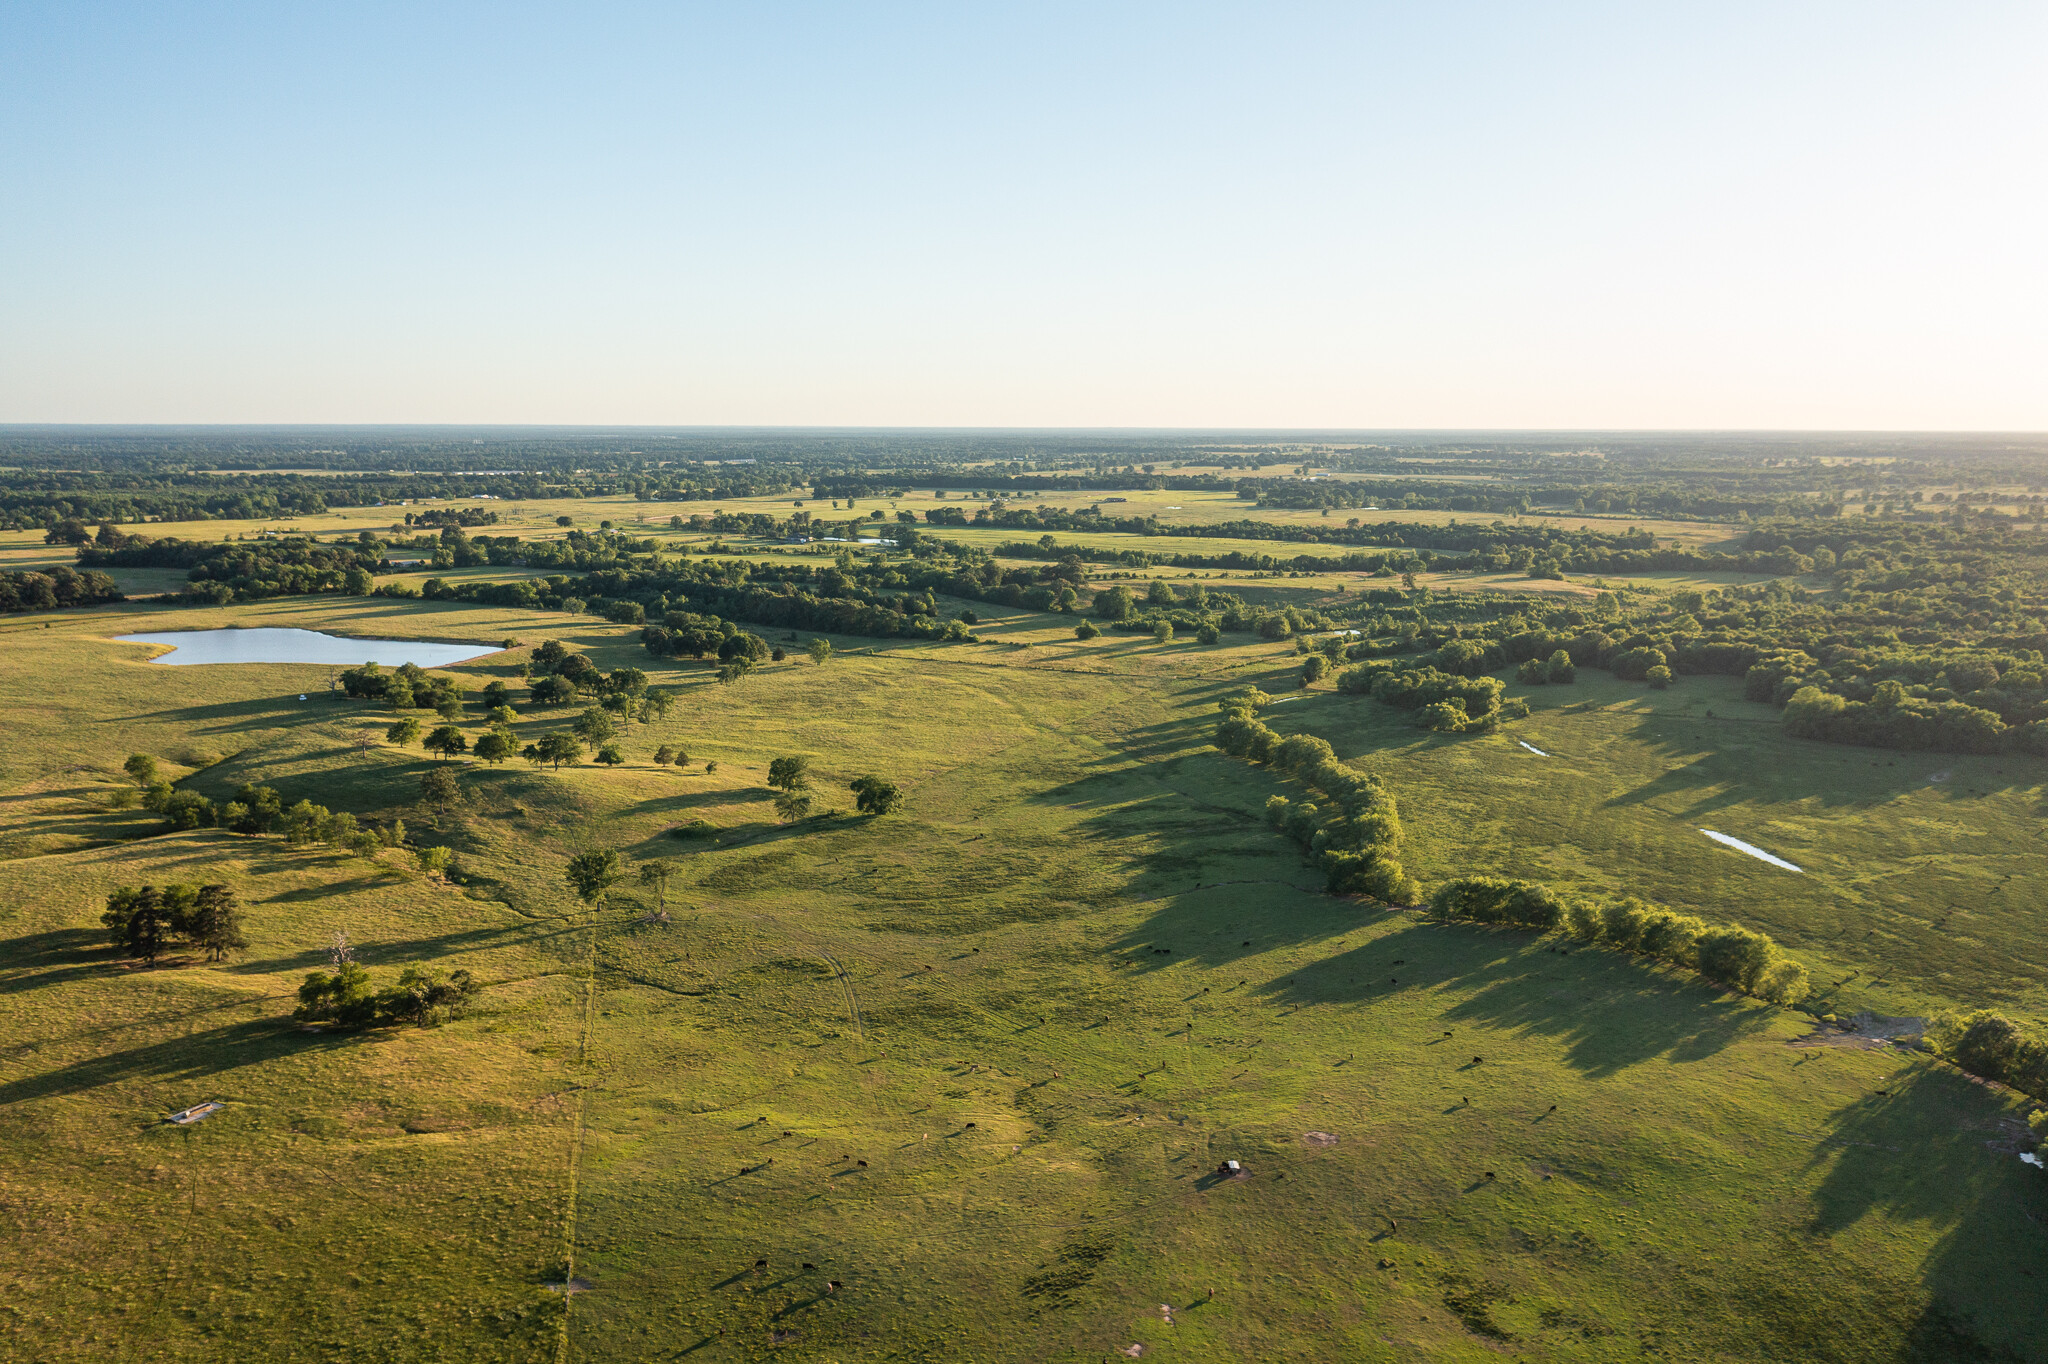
(302, 646)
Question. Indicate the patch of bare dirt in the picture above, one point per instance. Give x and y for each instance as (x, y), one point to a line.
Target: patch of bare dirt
(1828, 1035)
(1319, 1139)
(1901, 1029)
(1865, 1032)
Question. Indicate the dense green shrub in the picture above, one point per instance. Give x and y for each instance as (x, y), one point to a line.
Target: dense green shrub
(1731, 955)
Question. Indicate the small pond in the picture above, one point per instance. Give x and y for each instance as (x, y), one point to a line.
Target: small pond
(302, 646)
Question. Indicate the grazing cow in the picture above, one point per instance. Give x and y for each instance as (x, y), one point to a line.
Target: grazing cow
(1489, 1174)
(760, 1264)
(1402, 962)
(863, 1164)
(970, 1125)
(1247, 942)
(1553, 1108)
(1478, 1060)
(832, 1285)
(809, 1265)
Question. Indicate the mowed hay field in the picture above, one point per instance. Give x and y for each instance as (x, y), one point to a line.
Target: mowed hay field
(977, 1061)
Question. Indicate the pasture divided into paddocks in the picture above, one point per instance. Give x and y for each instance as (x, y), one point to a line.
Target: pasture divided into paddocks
(978, 1061)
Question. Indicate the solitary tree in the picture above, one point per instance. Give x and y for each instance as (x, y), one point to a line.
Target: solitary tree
(1086, 630)
(141, 769)
(791, 806)
(655, 704)
(610, 755)
(735, 668)
(655, 876)
(553, 691)
(876, 796)
(405, 733)
(447, 741)
(559, 748)
(434, 861)
(665, 755)
(495, 747)
(439, 789)
(595, 727)
(593, 873)
(820, 650)
(1162, 632)
(790, 774)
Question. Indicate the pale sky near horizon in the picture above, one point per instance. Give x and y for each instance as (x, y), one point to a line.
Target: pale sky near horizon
(1821, 215)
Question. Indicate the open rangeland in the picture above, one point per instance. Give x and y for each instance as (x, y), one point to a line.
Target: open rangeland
(956, 1082)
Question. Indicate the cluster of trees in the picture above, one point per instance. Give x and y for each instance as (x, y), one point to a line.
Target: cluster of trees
(1996, 1047)
(791, 778)
(146, 921)
(1449, 703)
(1357, 840)
(1558, 669)
(260, 810)
(408, 687)
(1894, 719)
(453, 516)
(55, 590)
(1734, 956)
(841, 600)
(685, 634)
(219, 572)
(345, 999)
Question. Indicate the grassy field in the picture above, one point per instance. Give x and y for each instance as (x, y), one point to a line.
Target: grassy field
(978, 1061)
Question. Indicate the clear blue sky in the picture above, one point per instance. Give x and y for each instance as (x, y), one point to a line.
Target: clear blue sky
(1423, 214)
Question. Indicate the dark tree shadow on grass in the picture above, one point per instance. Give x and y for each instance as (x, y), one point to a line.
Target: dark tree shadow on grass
(37, 960)
(1607, 1010)
(1934, 1150)
(406, 950)
(178, 1060)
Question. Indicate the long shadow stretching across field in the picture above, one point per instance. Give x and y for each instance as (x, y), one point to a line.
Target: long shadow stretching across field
(1839, 777)
(409, 949)
(1609, 1010)
(188, 1057)
(1913, 1149)
(36, 960)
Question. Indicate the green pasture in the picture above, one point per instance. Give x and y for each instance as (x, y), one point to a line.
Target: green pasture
(1041, 1003)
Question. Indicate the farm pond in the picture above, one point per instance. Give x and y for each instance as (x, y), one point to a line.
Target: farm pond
(271, 645)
